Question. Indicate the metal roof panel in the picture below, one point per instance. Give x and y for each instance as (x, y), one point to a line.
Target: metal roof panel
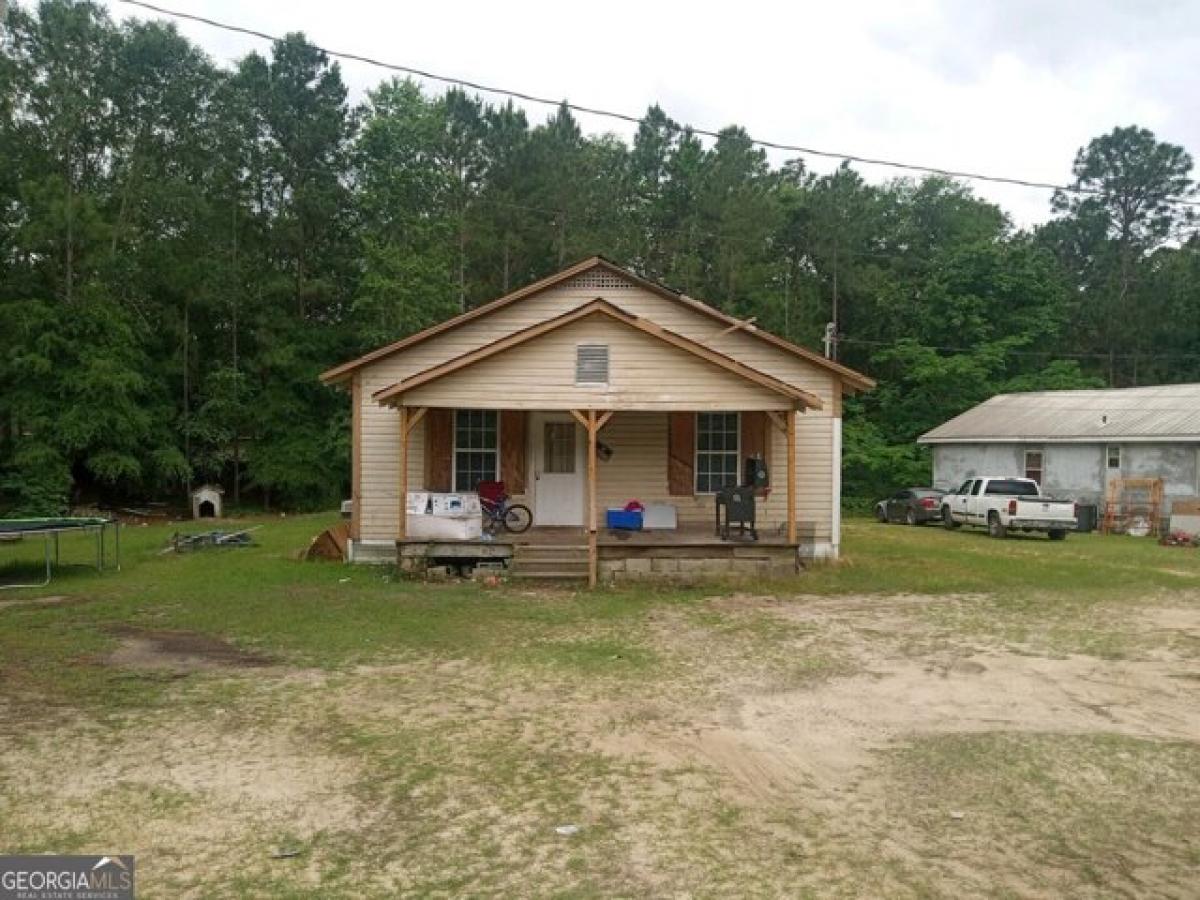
(1164, 411)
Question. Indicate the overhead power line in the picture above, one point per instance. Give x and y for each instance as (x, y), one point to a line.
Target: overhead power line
(638, 120)
(1149, 355)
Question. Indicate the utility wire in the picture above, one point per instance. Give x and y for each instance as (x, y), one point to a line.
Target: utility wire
(774, 145)
(1150, 356)
(638, 120)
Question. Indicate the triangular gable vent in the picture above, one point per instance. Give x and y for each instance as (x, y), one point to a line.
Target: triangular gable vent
(599, 279)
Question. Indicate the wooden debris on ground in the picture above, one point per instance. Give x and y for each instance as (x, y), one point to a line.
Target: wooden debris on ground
(330, 543)
(185, 543)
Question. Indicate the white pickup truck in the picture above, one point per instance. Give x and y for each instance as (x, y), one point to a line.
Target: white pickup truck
(1007, 504)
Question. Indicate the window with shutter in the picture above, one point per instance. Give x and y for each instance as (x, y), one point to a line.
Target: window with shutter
(591, 364)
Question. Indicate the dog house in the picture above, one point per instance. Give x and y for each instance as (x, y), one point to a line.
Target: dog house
(206, 501)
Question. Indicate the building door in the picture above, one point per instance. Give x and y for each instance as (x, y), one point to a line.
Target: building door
(1114, 458)
(557, 448)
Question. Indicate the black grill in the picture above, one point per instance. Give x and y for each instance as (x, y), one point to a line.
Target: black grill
(737, 503)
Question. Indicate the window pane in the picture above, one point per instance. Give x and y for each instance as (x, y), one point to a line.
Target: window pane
(558, 443)
(730, 468)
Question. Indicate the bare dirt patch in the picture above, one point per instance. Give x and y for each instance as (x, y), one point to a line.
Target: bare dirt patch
(829, 734)
(188, 796)
(831, 731)
(1185, 620)
(179, 651)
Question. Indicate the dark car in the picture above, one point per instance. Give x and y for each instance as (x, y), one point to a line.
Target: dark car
(912, 506)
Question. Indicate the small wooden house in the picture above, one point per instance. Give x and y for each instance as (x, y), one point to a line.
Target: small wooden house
(587, 390)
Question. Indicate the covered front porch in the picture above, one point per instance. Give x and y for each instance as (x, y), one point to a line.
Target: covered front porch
(569, 466)
(589, 411)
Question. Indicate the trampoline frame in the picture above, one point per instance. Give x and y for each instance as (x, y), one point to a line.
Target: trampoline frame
(98, 525)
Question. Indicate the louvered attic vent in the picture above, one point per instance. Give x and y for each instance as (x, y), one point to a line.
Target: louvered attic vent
(591, 364)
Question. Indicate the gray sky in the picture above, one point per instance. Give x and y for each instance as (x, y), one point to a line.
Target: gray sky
(1012, 88)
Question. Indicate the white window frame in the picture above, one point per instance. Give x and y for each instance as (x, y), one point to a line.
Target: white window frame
(454, 452)
(696, 451)
(1108, 450)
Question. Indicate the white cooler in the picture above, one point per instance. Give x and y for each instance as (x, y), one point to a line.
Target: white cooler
(444, 517)
(444, 528)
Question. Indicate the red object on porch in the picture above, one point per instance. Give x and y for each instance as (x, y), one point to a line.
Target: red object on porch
(635, 506)
(492, 491)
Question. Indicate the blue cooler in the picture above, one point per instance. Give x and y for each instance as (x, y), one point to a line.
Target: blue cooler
(624, 519)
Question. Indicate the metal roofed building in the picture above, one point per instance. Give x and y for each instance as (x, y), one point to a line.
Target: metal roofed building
(1074, 442)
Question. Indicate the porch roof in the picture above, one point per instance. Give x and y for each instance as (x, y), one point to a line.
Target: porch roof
(734, 385)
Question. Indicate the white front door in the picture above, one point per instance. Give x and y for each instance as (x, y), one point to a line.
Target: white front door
(557, 450)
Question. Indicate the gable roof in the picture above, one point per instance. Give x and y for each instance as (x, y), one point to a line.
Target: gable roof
(1164, 412)
(601, 308)
(851, 378)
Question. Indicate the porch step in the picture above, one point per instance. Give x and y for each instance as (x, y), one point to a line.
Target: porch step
(540, 554)
(548, 575)
(549, 561)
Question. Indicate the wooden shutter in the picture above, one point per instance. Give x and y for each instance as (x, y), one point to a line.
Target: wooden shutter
(439, 449)
(756, 439)
(681, 454)
(512, 449)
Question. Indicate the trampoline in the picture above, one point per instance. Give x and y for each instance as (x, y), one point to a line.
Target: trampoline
(51, 529)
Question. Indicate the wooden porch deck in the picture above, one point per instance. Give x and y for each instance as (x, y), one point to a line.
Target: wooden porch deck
(686, 536)
(683, 553)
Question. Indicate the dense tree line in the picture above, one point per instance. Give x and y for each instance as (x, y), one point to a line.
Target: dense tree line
(184, 247)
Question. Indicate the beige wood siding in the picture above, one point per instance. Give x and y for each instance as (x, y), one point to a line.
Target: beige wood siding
(644, 374)
(644, 460)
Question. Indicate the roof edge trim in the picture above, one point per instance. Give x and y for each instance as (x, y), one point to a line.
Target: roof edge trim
(601, 307)
(851, 380)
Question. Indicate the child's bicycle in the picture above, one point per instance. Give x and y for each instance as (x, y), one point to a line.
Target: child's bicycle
(498, 513)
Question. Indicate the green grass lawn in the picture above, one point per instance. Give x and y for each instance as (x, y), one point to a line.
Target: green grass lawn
(424, 738)
(320, 614)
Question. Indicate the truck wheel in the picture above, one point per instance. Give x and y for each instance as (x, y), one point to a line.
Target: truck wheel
(1058, 534)
(995, 527)
(948, 519)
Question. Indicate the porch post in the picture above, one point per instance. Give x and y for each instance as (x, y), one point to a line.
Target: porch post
(592, 421)
(593, 553)
(791, 476)
(408, 421)
(402, 499)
